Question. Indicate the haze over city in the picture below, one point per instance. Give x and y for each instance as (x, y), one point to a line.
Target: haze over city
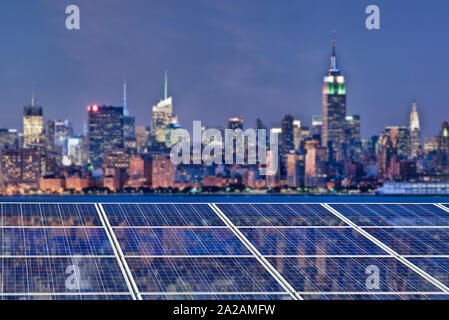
(224, 59)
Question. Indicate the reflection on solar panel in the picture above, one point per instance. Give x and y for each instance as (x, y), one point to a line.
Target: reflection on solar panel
(223, 251)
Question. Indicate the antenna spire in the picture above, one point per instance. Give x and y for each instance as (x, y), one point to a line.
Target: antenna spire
(334, 54)
(125, 97)
(166, 86)
(33, 98)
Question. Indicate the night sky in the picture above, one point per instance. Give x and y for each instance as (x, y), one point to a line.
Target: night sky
(254, 58)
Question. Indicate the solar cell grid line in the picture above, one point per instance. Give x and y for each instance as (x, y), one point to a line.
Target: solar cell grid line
(406, 262)
(119, 253)
(259, 257)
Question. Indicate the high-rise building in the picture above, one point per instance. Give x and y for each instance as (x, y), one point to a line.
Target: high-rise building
(334, 108)
(316, 164)
(297, 134)
(287, 135)
(105, 132)
(399, 140)
(352, 144)
(317, 126)
(443, 148)
(74, 151)
(163, 116)
(163, 172)
(21, 167)
(295, 170)
(414, 132)
(8, 139)
(235, 123)
(33, 125)
(57, 132)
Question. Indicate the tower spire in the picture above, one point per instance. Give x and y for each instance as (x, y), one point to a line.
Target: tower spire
(125, 97)
(166, 86)
(33, 98)
(334, 54)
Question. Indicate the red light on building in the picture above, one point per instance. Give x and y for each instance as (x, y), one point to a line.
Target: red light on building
(95, 108)
(89, 108)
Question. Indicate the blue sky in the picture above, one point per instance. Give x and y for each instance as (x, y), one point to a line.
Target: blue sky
(225, 58)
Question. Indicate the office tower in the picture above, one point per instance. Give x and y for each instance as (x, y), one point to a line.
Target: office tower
(414, 132)
(317, 126)
(105, 132)
(295, 170)
(21, 168)
(297, 134)
(117, 158)
(163, 115)
(287, 135)
(316, 164)
(430, 144)
(8, 139)
(352, 138)
(399, 140)
(57, 132)
(142, 138)
(140, 171)
(235, 123)
(74, 151)
(443, 149)
(163, 172)
(334, 108)
(33, 125)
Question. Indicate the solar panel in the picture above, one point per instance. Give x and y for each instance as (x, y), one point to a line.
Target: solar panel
(324, 274)
(414, 241)
(51, 251)
(279, 215)
(179, 242)
(394, 214)
(199, 275)
(311, 242)
(436, 267)
(158, 215)
(69, 275)
(54, 242)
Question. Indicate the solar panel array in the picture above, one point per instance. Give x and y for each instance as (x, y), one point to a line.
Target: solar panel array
(224, 251)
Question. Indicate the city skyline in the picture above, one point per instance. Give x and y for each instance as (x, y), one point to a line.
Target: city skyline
(287, 85)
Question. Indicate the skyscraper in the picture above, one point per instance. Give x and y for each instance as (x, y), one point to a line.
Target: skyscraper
(334, 107)
(443, 149)
(129, 128)
(414, 132)
(33, 124)
(105, 132)
(163, 115)
(287, 139)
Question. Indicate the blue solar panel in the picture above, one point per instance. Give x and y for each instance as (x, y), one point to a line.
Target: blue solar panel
(394, 214)
(158, 215)
(279, 215)
(61, 275)
(376, 297)
(414, 241)
(436, 267)
(54, 242)
(311, 241)
(33, 215)
(308, 275)
(179, 242)
(187, 275)
(66, 297)
(232, 297)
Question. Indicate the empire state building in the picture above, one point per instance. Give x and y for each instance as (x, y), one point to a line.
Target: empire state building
(334, 108)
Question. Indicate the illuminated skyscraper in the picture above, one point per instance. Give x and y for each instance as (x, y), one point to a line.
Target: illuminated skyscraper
(334, 107)
(414, 132)
(33, 124)
(163, 115)
(105, 132)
